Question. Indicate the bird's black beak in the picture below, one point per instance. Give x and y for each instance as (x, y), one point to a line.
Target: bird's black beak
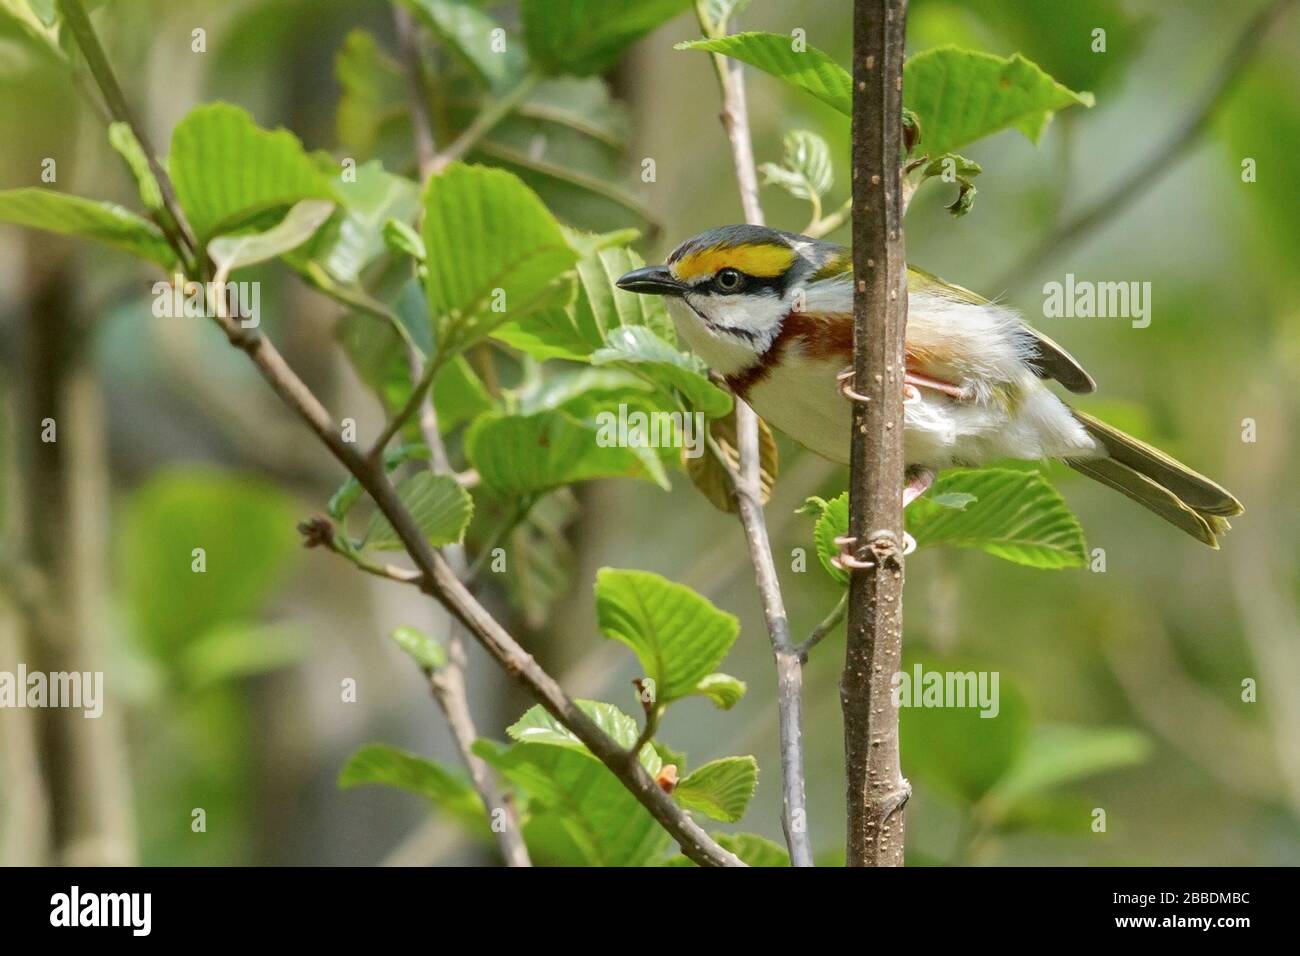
(652, 280)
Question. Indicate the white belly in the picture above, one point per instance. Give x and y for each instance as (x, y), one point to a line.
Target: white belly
(802, 399)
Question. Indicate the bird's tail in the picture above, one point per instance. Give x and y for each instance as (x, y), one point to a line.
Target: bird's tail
(1185, 498)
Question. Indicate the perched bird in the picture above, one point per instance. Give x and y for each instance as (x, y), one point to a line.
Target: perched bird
(771, 312)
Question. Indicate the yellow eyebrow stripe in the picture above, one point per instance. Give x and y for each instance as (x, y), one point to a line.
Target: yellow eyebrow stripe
(762, 261)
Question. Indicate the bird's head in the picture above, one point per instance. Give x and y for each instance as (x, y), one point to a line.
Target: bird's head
(729, 290)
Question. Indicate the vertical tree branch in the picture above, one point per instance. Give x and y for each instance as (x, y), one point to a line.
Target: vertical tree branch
(789, 662)
(873, 652)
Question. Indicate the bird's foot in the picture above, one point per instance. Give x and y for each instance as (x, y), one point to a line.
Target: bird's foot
(845, 560)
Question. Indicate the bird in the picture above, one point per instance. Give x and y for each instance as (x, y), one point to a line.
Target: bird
(771, 313)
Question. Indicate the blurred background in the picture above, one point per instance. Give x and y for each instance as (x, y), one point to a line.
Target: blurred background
(223, 689)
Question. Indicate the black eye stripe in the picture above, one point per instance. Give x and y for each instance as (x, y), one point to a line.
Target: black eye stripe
(748, 284)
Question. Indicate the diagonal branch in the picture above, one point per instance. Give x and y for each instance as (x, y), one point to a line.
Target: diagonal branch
(439, 580)
(873, 649)
(746, 485)
(1189, 130)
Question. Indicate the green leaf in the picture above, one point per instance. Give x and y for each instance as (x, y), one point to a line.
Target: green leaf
(527, 454)
(440, 506)
(809, 69)
(227, 169)
(245, 527)
(1017, 516)
(952, 168)
(585, 37)
(373, 92)
(299, 224)
(643, 351)
(832, 521)
(494, 253)
(677, 634)
(540, 558)
(1057, 754)
(403, 240)
(122, 138)
(538, 726)
(723, 689)
(753, 849)
(805, 171)
(234, 650)
(467, 32)
(720, 789)
(605, 822)
(354, 238)
(954, 750)
(1014, 515)
(87, 219)
(387, 766)
(750, 847)
(962, 95)
(426, 651)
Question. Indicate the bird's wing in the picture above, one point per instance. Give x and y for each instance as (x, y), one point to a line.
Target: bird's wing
(1049, 359)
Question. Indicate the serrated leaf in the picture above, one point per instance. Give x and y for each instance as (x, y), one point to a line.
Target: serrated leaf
(88, 219)
(961, 96)
(538, 726)
(585, 37)
(494, 253)
(805, 171)
(678, 635)
(604, 821)
(467, 32)
(299, 224)
(426, 651)
(387, 766)
(527, 454)
(540, 558)
(227, 169)
(440, 507)
(720, 789)
(712, 479)
(643, 351)
(752, 849)
(1014, 515)
(809, 68)
(724, 690)
(354, 238)
(1017, 516)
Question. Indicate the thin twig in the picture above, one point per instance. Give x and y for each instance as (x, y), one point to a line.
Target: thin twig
(873, 647)
(746, 485)
(1161, 159)
(415, 89)
(439, 580)
(828, 624)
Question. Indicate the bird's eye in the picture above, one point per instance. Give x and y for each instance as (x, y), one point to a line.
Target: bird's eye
(728, 280)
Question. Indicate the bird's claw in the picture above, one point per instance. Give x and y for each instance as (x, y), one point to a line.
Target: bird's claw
(845, 560)
(911, 394)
